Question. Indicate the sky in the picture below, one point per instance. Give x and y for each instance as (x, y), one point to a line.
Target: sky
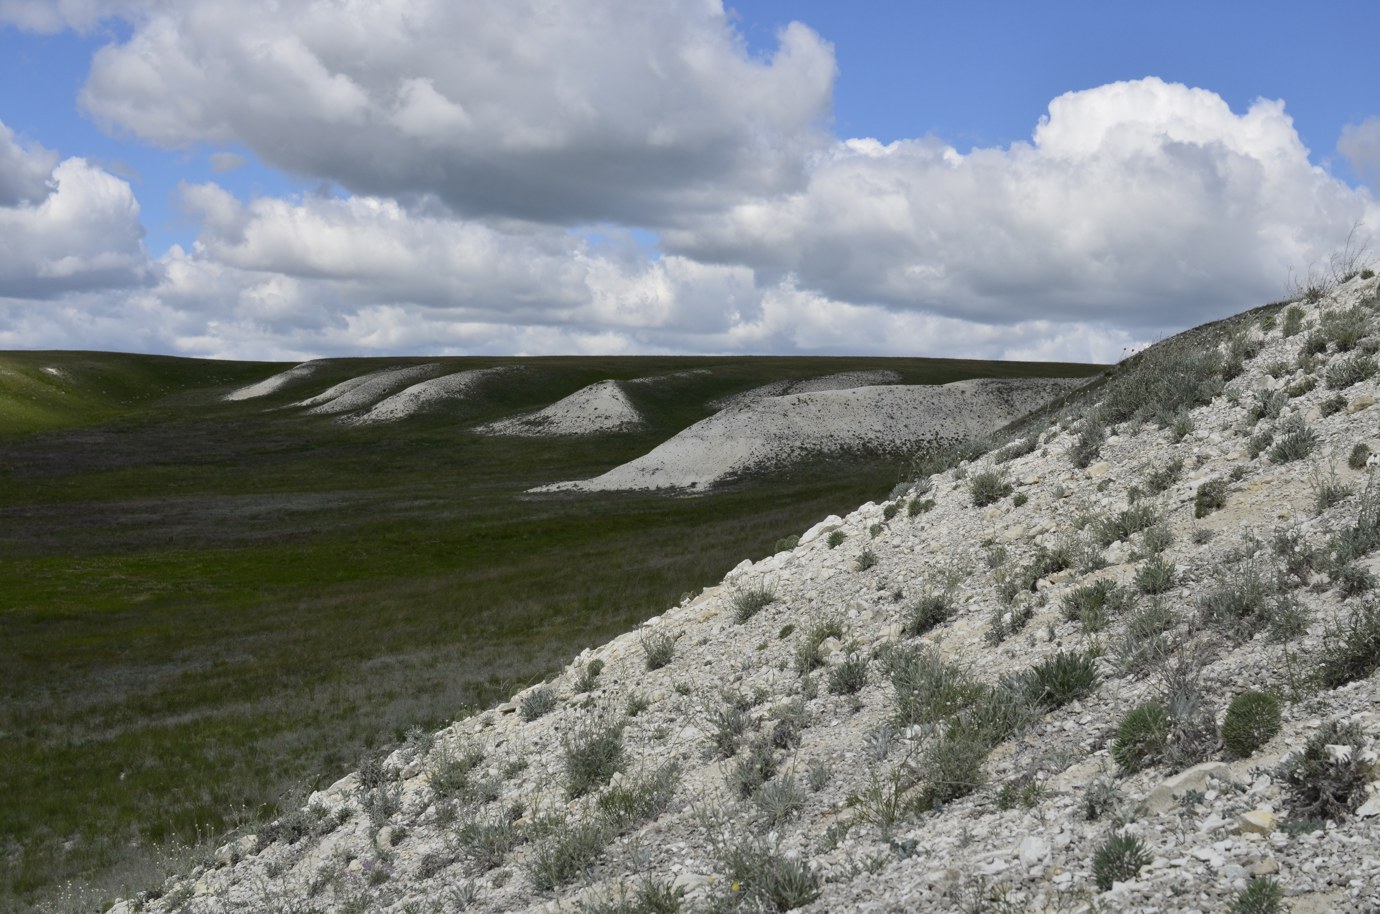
(1063, 180)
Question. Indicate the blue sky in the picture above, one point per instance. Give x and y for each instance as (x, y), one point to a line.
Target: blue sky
(241, 180)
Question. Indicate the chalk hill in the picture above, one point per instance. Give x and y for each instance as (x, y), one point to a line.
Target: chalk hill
(1124, 661)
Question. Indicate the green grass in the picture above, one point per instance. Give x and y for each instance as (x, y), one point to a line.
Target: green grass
(209, 608)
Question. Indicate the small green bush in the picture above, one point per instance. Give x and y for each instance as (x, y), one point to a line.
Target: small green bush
(1260, 896)
(1293, 321)
(1155, 575)
(1332, 405)
(1162, 477)
(567, 853)
(759, 877)
(1295, 441)
(786, 543)
(1093, 604)
(486, 842)
(1351, 650)
(751, 769)
(849, 676)
(1125, 524)
(835, 538)
(659, 648)
(748, 603)
(1142, 737)
(1304, 385)
(1211, 496)
(1087, 447)
(589, 676)
(1343, 373)
(931, 609)
(927, 690)
(890, 510)
(865, 560)
(1358, 456)
(779, 800)
(988, 487)
(1252, 720)
(1352, 580)
(1019, 499)
(1058, 680)
(1324, 785)
(633, 801)
(450, 772)
(1119, 859)
(593, 752)
(538, 702)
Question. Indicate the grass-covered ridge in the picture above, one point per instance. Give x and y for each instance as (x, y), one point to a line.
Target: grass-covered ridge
(208, 605)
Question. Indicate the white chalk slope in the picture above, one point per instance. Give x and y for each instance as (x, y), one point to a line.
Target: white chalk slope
(365, 390)
(597, 409)
(276, 383)
(774, 431)
(423, 396)
(845, 380)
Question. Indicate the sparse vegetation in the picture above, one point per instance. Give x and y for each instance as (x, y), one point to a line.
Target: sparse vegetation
(748, 603)
(1351, 650)
(1142, 737)
(1211, 496)
(988, 487)
(1323, 782)
(1260, 896)
(659, 648)
(1119, 859)
(593, 752)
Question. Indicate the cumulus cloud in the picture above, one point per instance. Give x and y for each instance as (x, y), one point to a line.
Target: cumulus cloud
(1145, 203)
(607, 110)
(68, 226)
(1360, 146)
(25, 171)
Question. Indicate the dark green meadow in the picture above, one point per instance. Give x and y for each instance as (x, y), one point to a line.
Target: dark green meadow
(209, 608)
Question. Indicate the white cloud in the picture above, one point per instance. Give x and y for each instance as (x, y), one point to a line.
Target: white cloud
(68, 226)
(1141, 204)
(605, 110)
(25, 171)
(1360, 146)
(222, 162)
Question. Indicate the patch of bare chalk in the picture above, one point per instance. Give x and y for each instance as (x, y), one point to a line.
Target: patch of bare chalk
(365, 390)
(425, 395)
(276, 382)
(846, 380)
(771, 432)
(597, 409)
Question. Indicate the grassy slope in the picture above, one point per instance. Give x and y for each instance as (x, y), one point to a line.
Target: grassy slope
(206, 605)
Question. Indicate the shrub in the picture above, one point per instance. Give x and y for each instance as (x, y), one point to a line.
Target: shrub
(1332, 405)
(1346, 327)
(1252, 721)
(730, 723)
(589, 676)
(931, 609)
(650, 897)
(1293, 321)
(1058, 680)
(748, 603)
(927, 689)
(1092, 604)
(1260, 896)
(450, 774)
(1363, 535)
(849, 676)
(1211, 496)
(1343, 373)
(593, 752)
(1239, 600)
(953, 767)
(486, 842)
(778, 800)
(918, 506)
(537, 703)
(1267, 405)
(865, 560)
(751, 769)
(1304, 385)
(766, 878)
(1088, 445)
(1352, 580)
(1295, 441)
(1142, 737)
(1358, 456)
(1125, 524)
(659, 648)
(891, 510)
(633, 801)
(1351, 651)
(1154, 575)
(1019, 499)
(1260, 442)
(786, 543)
(1119, 859)
(1323, 783)
(1162, 477)
(835, 538)
(988, 487)
(567, 853)
(1018, 448)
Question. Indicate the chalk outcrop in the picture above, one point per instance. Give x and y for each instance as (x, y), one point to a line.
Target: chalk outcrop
(600, 408)
(914, 709)
(768, 432)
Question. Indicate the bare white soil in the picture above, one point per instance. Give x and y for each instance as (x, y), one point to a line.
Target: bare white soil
(365, 390)
(773, 431)
(846, 380)
(596, 409)
(424, 396)
(276, 383)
